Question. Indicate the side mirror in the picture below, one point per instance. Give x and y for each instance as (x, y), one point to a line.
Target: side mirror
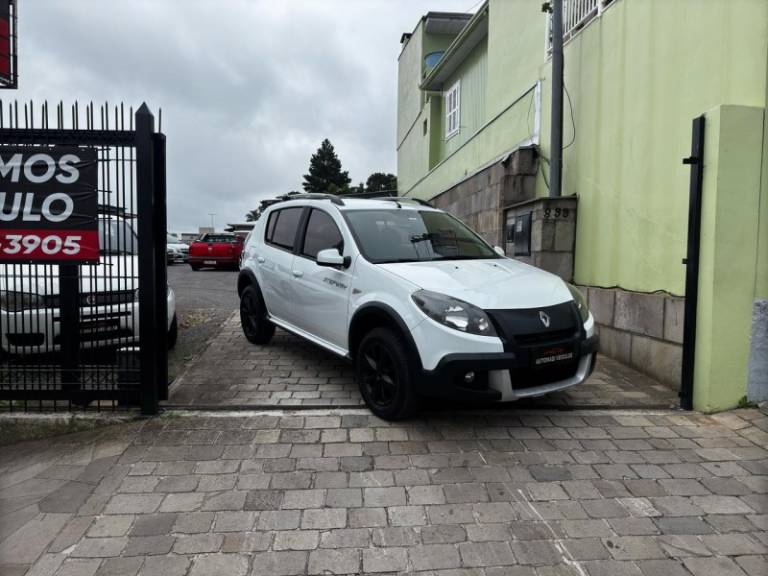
(330, 257)
(499, 250)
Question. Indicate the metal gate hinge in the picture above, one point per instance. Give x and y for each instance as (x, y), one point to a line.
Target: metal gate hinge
(691, 160)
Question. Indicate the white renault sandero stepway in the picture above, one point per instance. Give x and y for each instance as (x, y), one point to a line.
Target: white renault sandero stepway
(420, 303)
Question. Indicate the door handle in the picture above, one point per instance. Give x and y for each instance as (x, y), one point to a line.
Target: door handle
(260, 259)
(298, 273)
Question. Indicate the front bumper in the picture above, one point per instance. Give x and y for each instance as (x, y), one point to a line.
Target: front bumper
(505, 376)
(38, 331)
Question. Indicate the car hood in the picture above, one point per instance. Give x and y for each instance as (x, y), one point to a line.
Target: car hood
(498, 283)
(177, 246)
(111, 274)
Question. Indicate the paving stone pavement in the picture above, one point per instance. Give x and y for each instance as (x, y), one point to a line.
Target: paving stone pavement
(292, 372)
(520, 493)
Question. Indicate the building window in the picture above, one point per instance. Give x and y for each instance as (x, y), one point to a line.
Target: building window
(452, 110)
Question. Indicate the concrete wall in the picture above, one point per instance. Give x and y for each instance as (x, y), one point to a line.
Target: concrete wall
(644, 331)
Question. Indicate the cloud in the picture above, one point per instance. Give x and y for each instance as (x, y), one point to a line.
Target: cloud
(248, 88)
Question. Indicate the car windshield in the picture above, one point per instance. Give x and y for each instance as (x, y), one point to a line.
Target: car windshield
(117, 237)
(397, 235)
(172, 240)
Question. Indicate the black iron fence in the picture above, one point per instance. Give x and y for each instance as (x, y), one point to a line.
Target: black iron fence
(90, 332)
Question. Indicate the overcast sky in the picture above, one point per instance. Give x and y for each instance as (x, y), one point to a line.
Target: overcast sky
(248, 88)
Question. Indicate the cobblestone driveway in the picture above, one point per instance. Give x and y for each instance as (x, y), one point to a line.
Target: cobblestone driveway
(494, 494)
(291, 372)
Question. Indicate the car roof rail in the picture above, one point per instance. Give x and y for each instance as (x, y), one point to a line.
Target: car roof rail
(399, 199)
(312, 196)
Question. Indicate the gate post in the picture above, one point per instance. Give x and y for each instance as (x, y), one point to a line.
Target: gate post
(145, 203)
(691, 262)
(161, 265)
(69, 325)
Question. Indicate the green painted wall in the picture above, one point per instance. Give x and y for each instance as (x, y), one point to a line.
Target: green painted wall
(516, 33)
(637, 76)
(733, 153)
(415, 155)
(409, 96)
(473, 75)
(761, 282)
(490, 142)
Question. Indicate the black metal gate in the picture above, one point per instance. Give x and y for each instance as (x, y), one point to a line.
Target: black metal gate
(691, 261)
(92, 334)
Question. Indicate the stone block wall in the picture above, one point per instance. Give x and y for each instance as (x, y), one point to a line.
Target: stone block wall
(478, 200)
(553, 233)
(644, 331)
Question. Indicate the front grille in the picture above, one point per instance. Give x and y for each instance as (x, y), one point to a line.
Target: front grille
(538, 338)
(526, 328)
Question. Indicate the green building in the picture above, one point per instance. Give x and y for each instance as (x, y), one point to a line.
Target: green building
(473, 137)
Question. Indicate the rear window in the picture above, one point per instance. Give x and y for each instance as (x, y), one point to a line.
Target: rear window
(282, 226)
(219, 238)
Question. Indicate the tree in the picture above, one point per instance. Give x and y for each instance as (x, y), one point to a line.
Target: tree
(252, 215)
(325, 174)
(381, 182)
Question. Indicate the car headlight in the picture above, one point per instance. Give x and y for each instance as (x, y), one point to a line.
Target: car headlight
(18, 301)
(581, 302)
(454, 313)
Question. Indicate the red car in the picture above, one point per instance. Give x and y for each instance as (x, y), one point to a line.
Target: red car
(216, 251)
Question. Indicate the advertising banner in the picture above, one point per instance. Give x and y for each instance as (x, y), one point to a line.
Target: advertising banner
(48, 205)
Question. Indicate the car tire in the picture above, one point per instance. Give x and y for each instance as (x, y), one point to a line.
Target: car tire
(253, 317)
(173, 333)
(384, 370)
(195, 267)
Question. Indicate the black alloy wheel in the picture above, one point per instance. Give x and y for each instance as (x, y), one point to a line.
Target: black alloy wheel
(384, 375)
(253, 317)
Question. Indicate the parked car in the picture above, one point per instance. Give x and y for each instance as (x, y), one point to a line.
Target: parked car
(216, 250)
(176, 250)
(421, 304)
(109, 299)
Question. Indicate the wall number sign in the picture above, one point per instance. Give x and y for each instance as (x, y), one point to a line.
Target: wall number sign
(48, 205)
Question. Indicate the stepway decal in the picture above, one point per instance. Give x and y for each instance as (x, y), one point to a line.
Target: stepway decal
(48, 205)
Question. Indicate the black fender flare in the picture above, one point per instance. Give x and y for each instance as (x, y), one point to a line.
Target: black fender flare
(386, 316)
(246, 278)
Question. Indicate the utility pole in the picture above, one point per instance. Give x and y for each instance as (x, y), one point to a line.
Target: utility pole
(556, 128)
(211, 214)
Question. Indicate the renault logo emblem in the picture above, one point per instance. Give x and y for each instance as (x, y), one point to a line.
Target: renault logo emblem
(544, 317)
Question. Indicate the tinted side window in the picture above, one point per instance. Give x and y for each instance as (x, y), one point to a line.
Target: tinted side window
(322, 233)
(284, 232)
(271, 225)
